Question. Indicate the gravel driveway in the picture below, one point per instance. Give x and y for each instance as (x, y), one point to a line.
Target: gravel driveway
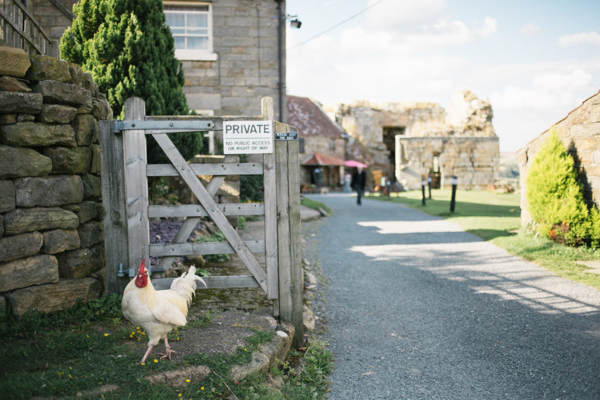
(419, 309)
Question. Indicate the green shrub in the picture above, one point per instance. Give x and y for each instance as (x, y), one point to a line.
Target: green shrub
(554, 195)
(250, 188)
(217, 237)
(129, 51)
(595, 228)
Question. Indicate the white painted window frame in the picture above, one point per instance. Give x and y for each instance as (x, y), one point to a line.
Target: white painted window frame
(196, 55)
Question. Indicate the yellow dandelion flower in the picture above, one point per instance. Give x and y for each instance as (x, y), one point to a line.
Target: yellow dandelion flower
(179, 395)
(177, 338)
(143, 363)
(106, 334)
(202, 388)
(245, 349)
(137, 327)
(155, 360)
(187, 381)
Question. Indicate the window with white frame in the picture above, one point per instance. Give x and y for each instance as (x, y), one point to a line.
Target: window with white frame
(191, 26)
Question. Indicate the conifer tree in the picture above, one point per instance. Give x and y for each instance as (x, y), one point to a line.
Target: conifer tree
(554, 196)
(129, 51)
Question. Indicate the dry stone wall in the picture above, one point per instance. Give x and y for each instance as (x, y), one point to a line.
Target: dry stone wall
(51, 237)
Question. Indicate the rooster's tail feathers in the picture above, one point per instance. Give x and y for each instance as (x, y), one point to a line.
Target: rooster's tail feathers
(185, 285)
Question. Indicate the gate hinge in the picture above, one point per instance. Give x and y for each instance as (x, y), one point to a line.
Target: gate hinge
(163, 125)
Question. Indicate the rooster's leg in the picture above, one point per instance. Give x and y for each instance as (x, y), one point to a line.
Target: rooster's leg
(147, 354)
(168, 348)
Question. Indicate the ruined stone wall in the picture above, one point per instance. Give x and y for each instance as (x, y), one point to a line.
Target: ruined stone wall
(51, 239)
(580, 133)
(474, 161)
(463, 138)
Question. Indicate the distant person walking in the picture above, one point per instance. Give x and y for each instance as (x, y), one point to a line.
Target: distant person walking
(359, 178)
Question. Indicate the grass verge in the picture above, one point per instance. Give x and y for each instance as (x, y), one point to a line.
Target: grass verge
(315, 205)
(496, 218)
(90, 345)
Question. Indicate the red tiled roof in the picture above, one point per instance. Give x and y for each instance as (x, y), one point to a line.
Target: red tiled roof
(322, 159)
(309, 118)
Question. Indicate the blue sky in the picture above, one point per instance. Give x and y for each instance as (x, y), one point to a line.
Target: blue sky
(533, 60)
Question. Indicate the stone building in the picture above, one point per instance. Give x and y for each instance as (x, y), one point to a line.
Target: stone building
(580, 133)
(233, 51)
(406, 142)
(322, 142)
(55, 16)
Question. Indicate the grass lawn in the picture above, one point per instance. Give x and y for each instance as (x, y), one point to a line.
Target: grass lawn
(91, 346)
(496, 218)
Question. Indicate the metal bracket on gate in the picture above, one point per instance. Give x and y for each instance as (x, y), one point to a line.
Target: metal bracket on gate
(158, 125)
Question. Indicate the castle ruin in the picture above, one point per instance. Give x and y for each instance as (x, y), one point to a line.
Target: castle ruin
(407, 142)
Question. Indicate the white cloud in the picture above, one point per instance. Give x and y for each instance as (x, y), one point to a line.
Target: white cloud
(403, 15)
(530, 30)
(576, 39)
(489, 27)
(561, 82)
(516, 98)
(548, 92)
(441, 34)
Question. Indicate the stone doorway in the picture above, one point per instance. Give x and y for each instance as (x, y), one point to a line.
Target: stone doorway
(389, 140)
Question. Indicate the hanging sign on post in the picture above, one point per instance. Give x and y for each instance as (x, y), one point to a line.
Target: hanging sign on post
(247, 137)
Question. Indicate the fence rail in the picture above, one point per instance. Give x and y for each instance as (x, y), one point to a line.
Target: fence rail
(20, 29)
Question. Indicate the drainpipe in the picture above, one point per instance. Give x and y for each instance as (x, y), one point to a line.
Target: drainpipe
(280, 28)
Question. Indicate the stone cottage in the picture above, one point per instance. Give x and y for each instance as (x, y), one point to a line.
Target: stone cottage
(233, 51)
(406, 142)
(580, 133)
(322, 142)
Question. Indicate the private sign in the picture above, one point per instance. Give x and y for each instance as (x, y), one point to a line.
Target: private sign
(247, 137)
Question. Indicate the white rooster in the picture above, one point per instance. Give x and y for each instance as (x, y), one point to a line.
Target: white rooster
(159, 311)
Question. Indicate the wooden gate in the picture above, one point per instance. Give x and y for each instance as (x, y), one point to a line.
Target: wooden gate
(126, 210)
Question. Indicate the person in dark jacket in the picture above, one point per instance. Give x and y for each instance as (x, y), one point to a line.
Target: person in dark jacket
(359, 178)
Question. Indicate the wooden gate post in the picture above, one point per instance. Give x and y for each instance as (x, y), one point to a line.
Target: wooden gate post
(288, 233)
(136, 185)
(125, 197)
(113, 202)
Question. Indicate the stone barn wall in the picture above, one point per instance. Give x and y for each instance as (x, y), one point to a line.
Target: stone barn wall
(580, 133)
(51, 238)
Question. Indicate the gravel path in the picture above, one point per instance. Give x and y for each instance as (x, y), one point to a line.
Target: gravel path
(419, 309)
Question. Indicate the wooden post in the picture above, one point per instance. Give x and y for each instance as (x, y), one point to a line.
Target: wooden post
(113, 201)
(295, 246)
(288, 232)
(136, 185)
(270, 198)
